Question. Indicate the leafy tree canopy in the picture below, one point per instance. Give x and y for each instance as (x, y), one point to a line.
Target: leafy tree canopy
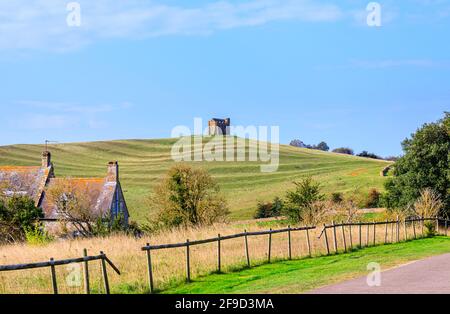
(425, 164)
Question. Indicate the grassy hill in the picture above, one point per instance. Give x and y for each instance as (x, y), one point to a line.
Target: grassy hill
(144, 162)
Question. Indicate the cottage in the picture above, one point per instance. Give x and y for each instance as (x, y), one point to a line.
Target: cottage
(105, 194)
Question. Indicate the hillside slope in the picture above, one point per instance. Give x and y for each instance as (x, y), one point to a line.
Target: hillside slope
(144, 162)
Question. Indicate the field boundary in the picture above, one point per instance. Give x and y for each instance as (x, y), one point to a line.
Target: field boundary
(341, 238)
(85, 260)
(395, 238)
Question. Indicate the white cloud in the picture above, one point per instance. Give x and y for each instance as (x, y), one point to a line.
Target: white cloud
(44, 121)
(73, 108)
(41, 24)
(60, 115)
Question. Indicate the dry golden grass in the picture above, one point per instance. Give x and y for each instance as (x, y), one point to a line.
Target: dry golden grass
(169, 265)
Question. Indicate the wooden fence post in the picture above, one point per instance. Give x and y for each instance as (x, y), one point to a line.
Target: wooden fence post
(414, 228)
(386, 232)
(246, 250)
(150, 269)
(351, 236)
(87, 289)
(326, 239)
(289, 243)
(437, 225)
(188, 261)
(53, 273)
(392, 232)
(219, 254)
(105, 273)
(335, 238)
(406, 230)
(374, 233)
(368, 234)
(360, 235)
(308, 242)
(446, 227)
(343, 237)
(423, 226)
(270, 245)
(398, 228)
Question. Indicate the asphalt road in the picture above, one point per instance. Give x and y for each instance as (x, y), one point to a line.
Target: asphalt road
(428, 276)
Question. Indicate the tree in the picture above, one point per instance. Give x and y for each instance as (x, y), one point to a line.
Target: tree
(428, 204)
(73, 203)
(18, 214)
(188, 197)
(297, 143)
(425, 164)
(366, 154)
(323, 146)
(304, 204)
(344, 150)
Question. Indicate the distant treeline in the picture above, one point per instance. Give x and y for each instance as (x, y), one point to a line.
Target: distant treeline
(323, 146)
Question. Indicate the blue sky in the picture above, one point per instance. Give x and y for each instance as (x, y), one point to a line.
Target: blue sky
(137, 69)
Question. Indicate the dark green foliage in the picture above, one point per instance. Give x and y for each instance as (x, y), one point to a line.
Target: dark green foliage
(269, 209)
(424, 165)
(366, 154)
(373, 199)
(337, 197)
(323, 146)
(187, 197)
(430, 229)
(297, 143)
(17, 214)
(300, 205)
(344, 150)
(117, 225)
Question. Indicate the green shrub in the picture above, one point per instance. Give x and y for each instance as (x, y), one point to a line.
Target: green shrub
(304, 204)
(373, 199)
(105, 227)
(430, 229)
(344, 150)
(187, 197)
(37, 235)
(17, 214)
(269, 209)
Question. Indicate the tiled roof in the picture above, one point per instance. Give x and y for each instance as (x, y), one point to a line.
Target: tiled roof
(38, 182)
(99, 193)
(24, 180)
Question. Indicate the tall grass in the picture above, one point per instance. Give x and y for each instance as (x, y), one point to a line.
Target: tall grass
(169, 265)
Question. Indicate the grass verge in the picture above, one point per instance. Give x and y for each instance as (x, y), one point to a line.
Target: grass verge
(307, 274)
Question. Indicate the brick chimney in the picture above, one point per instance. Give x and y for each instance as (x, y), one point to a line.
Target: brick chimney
(113, 171)
(46, 159)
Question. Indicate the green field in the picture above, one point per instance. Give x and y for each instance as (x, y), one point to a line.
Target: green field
(308, 274)
(144, 162)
